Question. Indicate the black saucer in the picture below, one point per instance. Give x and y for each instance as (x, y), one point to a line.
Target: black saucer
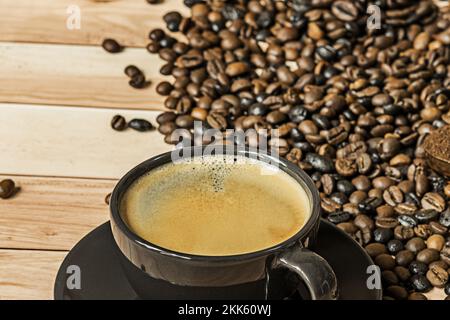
(102, 277)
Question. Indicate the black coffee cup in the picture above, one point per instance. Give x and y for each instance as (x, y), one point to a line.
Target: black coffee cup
(271, 273)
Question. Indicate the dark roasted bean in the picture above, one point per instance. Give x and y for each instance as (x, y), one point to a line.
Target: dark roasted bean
(140, 125)
(111, 45)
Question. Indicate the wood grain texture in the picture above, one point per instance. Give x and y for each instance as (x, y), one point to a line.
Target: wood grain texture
(52, 213)
(27, 274)
(76, 75)
(45, 21)
(72, 142)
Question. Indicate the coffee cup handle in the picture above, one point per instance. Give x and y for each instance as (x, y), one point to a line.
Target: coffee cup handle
(314, 270)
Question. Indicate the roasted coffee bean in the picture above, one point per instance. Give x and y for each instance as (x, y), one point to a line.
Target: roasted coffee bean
(370, 204)
(216, 121)
(362, 183)
(438, 228)
(427, 256)
(184, 121)
(402, 273)
(345, 10)
(394, 246)
(426, 215)
(403, 233)
(415, 245)
(387, 212)
(7, 188)
(393, 196)
(404, 258)
(445, 254)
(447, 289)
(328, 184)
(436, 242)
(375, 249)
(164, 88)
(339, 217)
(140, 125)
(389, 277)
(172, 20)
(167, 128)
(327, 52)
(407, 221)
(297, 114)
(433, 201)
(386, 222)
(138, 81)
(345, 187)
(339, 197)
(132, 71)
(421, 283)
(397, 292)
(417, 296)
(417, 267)
(320, 163)
(164, 117)
(108, 198)
(385, 261)
(437, 276)
(444, 218)
(382, 235)
(111, 45)
(346, 167)
(118, 123)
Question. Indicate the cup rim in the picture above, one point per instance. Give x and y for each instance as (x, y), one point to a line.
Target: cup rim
(164, 158)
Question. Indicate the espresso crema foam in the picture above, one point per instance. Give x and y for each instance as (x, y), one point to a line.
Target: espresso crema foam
(216, 206)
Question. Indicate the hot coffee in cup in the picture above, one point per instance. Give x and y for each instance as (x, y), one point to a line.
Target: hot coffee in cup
(218, 206)
(218, 226)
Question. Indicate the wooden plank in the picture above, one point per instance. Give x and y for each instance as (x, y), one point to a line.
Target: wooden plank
(46, 20)
(76, 75)
(74, 142)
(27, 274)
(52, 213)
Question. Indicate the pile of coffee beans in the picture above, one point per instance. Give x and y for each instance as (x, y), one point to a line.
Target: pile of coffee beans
(119, 123)
(352, 104)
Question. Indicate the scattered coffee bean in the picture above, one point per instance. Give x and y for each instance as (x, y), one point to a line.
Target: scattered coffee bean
(140, 125)
(118, 123)
(138, 81)
(108, 198)
(112, 46)
(7, 188)
(132, 71)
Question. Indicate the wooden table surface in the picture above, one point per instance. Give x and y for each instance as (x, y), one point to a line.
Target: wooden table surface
(58, 92)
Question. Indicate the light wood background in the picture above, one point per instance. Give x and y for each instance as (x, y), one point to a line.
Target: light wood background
(58, 93)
